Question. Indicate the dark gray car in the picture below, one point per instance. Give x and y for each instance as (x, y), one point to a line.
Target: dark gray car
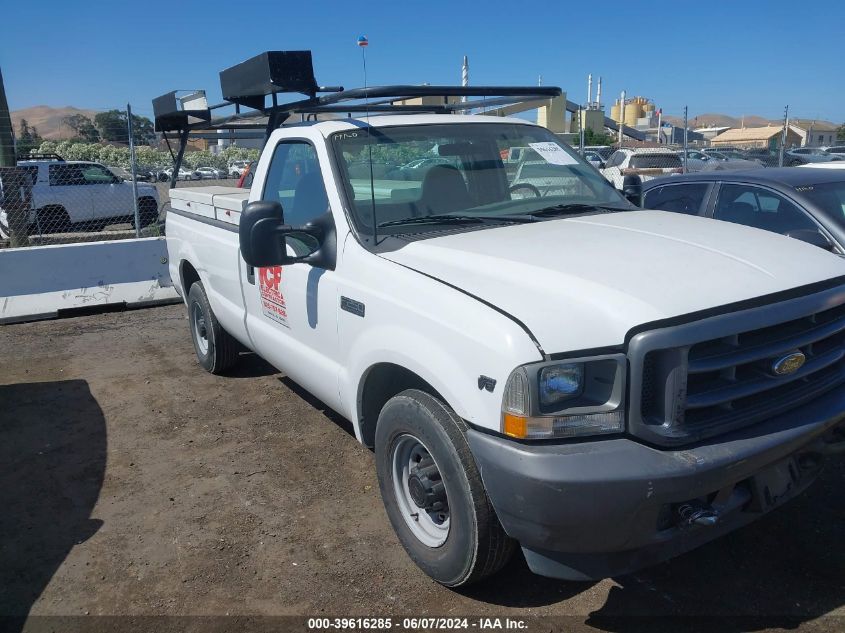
(807, 204)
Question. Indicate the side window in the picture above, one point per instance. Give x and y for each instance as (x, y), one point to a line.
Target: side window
(61, 175)
(760, 208)
(616, 159)
(96, 175)
(295, 180)
(678, 198)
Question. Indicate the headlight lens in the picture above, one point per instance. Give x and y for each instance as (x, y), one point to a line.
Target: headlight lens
(558, 400)
(560, 382)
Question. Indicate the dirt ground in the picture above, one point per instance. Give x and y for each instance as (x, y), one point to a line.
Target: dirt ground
(132, 483)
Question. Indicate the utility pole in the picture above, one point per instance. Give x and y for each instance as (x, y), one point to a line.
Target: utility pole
(16, 189)
(132, 167)
(686, 147)
(783, 135)
(7, 142)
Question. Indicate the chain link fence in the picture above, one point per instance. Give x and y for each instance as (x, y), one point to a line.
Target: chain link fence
(109, 175)
(657, 149)
(110, 180)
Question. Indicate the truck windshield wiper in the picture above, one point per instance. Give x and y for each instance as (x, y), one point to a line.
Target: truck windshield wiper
(446, 218)
(564, 209)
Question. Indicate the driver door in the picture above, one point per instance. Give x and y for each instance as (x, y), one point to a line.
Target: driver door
(291, 311)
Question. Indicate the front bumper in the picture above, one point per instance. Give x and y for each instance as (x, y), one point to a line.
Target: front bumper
(602, 508)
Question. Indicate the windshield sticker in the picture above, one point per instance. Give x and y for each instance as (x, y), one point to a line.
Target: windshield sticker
(553, 153)
(272, 300)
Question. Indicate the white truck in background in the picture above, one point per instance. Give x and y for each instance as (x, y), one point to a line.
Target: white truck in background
(603, 386)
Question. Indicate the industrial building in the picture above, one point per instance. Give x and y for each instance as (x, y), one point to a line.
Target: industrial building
(768, 137)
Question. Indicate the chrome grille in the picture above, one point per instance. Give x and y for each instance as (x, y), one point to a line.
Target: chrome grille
(713, 384)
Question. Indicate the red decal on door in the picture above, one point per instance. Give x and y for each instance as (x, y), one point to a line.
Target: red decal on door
(272, 300)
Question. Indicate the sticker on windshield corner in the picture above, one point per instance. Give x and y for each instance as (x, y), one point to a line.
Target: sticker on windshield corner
(553, 153)
(272, 300)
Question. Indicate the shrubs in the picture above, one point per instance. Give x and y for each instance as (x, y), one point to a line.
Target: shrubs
(118, 155)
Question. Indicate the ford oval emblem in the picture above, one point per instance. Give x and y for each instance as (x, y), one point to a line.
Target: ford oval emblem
(788, 364)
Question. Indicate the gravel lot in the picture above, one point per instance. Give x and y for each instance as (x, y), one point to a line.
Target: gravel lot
(133, 483)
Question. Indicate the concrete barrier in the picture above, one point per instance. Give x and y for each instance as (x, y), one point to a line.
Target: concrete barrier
(41, 281)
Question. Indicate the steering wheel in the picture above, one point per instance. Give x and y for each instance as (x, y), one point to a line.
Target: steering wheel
(523, 191)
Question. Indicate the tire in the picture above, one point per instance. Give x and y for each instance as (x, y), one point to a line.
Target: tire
(456, 537)
(52, 220)
(216, 350)
(147, 211)
(795, 163)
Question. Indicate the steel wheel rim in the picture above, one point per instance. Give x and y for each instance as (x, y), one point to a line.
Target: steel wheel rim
(430, 527)
(199, 328)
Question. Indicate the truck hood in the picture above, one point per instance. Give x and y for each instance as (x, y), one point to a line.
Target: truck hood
(579, 283)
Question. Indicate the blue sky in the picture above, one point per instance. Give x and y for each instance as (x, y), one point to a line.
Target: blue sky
(735, 57)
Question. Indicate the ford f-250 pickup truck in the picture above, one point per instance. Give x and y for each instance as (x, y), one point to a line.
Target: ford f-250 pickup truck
(604, 386)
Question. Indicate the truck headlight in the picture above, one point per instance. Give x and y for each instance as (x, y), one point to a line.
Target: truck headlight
(583, 396)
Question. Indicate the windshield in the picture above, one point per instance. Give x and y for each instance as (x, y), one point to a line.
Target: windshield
(463, 169)
(830, 197)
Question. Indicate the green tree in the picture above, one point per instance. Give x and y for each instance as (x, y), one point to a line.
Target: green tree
(83, 128)
(112, 127)
(28, 138)
(591, 137)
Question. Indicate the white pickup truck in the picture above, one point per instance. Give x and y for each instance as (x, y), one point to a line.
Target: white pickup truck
(604, 386)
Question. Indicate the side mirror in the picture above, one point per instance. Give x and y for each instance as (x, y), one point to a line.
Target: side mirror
(632, 189)
(263, 237)
(811, 236)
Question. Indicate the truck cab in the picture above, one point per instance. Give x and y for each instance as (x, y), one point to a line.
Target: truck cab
(602, 386)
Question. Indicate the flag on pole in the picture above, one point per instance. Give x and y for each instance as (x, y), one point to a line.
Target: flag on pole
(363, 41)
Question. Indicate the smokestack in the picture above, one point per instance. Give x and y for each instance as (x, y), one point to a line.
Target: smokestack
(589, 89)
(598, 94)
(465, 78)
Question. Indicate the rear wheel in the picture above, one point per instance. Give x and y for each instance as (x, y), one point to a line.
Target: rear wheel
(52, 220)
(216, 349)
(147, 211)
(432, 491)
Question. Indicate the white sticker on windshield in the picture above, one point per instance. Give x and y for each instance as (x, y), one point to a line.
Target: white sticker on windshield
(553, 153)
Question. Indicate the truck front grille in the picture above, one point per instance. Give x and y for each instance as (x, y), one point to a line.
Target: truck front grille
(705, 387)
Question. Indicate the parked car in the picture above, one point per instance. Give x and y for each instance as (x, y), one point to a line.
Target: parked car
(563, 372)
(247, 175)
(836, 164)
(236, 168)
(210, 173)
(73, 195)
(732, 160)
(594, 158)
(803, 155)
(184, 174)
(807, 204)
(602, 150)
(766, 157)
(838, 150)
(646, 162)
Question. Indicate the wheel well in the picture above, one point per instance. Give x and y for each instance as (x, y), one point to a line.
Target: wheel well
(382, 382)
(189, 277)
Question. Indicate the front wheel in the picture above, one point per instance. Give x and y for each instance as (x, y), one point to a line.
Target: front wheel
(432, 491)
(216, 349)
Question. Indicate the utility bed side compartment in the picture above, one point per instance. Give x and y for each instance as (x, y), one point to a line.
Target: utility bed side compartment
(201, 201)
(229, 206)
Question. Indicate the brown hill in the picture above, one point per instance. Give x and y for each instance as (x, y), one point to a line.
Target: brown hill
(720, 120)
(48, 120)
